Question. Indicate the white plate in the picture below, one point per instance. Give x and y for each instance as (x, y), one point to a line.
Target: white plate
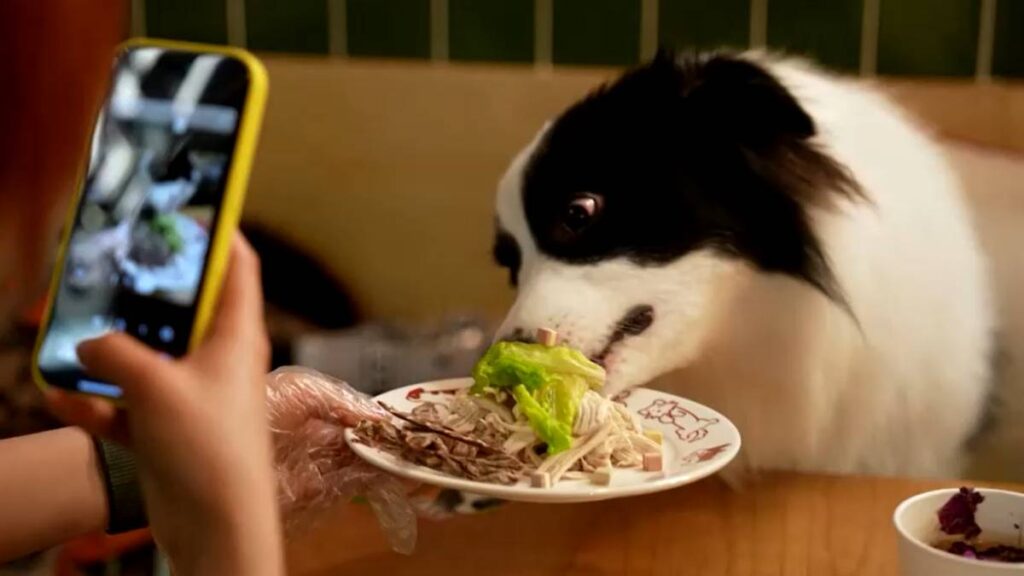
(697, 443)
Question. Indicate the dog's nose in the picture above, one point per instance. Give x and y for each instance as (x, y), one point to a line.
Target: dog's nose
(637, 320)
(518, 335)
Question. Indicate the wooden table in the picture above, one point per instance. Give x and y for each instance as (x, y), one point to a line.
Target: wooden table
(782, 525)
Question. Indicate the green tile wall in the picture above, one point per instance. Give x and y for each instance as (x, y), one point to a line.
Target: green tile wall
(915, 37)
(704, 24)
(389, 28)
(1008, 54)
(495, 30)
(827, 30)
(928, 37)
(287, 26)
(601, 32)
(193, 20)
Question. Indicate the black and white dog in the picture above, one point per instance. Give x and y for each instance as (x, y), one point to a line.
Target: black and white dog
(776, 242)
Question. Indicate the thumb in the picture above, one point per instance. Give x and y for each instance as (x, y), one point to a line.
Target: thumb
(124, 361)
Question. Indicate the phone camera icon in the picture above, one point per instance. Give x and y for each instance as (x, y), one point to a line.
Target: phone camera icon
(166, 334)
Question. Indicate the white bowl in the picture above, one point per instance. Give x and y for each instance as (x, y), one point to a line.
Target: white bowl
(917, 522)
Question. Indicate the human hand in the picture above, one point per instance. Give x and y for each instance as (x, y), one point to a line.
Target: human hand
(198, 427)
(316, 470)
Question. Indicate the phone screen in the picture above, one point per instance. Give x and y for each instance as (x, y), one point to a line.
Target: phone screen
(138, 248)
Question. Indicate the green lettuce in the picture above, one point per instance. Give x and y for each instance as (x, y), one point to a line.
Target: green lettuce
(165, 226)
(547, 383)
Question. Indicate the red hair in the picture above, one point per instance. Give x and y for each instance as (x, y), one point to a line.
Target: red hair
(55, 58)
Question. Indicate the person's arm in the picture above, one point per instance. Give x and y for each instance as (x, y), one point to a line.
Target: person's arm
(51, 490)
(198, 429)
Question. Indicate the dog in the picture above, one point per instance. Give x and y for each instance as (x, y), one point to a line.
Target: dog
(779, 243)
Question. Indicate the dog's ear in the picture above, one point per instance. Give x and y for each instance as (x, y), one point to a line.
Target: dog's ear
(739, 103)
(740, 100)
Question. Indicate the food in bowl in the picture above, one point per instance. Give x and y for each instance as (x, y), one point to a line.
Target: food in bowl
(534, 412)
(956, 518)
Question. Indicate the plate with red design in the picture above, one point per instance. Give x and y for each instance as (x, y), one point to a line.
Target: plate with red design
(696, 442)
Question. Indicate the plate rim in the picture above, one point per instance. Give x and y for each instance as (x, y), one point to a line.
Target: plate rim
(518, 493)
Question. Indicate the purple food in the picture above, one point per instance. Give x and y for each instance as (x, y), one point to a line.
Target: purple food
(956, 518)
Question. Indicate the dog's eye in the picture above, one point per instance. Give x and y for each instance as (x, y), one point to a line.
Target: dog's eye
(581, 212)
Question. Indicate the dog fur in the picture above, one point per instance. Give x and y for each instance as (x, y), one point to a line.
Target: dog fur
(830, 297)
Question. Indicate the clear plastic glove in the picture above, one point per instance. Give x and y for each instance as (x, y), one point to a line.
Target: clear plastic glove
(308, 413)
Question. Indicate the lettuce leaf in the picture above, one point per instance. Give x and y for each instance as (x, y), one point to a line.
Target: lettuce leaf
(547, 382)
(507, 364)
(557, 434)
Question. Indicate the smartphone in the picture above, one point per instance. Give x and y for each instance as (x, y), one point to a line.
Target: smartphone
(147, 241)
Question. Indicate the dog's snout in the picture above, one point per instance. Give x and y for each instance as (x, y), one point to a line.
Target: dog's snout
(637, 320)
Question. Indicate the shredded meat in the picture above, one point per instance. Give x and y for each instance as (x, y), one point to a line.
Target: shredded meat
(443, 451)
(441, 429)
(482, 439)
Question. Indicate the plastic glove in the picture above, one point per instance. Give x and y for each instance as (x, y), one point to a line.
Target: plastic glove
(316, 470)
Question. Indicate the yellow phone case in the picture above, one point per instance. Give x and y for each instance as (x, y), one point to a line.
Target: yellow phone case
(231, 207)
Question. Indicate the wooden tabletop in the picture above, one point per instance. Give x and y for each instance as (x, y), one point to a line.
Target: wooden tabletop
(782, 525)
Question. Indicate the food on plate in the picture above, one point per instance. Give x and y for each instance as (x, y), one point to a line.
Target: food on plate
(956, 518)
(156, 241)
(534, 412)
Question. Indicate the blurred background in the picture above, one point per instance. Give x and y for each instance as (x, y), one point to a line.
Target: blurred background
(390, 121)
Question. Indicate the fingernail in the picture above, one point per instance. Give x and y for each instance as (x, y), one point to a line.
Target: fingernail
(84, 345)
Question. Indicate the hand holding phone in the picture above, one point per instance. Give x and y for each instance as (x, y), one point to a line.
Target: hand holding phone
(198, 428)
(146, 245)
